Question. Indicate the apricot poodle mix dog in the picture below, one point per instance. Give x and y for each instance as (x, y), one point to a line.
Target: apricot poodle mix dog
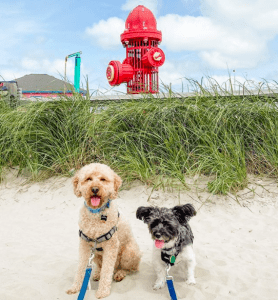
(116, 253)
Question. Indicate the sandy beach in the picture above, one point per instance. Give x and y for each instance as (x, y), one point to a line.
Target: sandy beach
(236, 241)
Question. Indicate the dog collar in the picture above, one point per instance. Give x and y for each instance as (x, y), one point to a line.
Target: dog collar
(98, 210)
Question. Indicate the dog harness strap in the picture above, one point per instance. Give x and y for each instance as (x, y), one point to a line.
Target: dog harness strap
(85, 237)
(169, 255)
(105, 237)
(167, 258)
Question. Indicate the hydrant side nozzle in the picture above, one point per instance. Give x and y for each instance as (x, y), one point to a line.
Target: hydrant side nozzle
(117, 73)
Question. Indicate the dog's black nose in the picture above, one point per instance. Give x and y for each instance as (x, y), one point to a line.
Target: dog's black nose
(95, 190)
(157, 235)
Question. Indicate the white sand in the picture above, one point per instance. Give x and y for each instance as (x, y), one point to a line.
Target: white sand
(236, 245)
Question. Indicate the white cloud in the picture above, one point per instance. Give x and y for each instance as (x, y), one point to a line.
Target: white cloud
(258, 14)
(29, 65)
(150, 4)
(223, 60)
(232, 34)
(10, 74)
(169, 73)
(47, 66)
(107, 33)
(181, 33)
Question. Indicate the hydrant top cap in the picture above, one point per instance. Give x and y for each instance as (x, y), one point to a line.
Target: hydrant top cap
(140, 23)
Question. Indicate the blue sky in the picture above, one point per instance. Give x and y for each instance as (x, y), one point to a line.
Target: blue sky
(199, 37)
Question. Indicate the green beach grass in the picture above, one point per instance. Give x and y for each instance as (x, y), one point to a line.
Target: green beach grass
(215, 133)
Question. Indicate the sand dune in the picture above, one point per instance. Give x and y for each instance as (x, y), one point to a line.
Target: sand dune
(236, 241)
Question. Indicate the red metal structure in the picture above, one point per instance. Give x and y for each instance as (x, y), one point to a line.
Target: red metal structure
(143, 57)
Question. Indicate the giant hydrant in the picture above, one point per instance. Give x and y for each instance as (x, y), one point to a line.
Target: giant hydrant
(143, 57)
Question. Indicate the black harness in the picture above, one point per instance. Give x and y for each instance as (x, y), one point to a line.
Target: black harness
(169, 255)
(105, 237)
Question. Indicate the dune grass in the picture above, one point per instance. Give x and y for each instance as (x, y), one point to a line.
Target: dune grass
(46, 136)
(212, 133)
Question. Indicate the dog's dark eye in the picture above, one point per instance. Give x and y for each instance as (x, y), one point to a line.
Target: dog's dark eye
(155, 223)
(103, 179)
(88, 179)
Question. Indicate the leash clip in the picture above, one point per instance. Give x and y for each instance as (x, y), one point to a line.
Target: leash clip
(90, 262)
(168, 277)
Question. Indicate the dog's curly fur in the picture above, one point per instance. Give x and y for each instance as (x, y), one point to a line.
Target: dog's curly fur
(121, 253)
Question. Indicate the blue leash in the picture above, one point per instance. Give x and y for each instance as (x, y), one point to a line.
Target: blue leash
(85, 283)
(87, 274)
(170, 284)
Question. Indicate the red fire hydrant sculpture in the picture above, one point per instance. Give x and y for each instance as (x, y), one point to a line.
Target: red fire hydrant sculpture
(143, 57)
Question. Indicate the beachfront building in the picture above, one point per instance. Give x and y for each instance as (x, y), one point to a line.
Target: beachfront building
(44, 86)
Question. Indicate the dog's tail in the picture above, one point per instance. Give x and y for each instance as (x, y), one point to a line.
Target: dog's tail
(184, 212)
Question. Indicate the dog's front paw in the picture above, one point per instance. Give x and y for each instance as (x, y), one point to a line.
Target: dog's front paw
(73, 290)
(120, 275)
(102, 293)
(159, 284)
(96, 276)
(191, 281)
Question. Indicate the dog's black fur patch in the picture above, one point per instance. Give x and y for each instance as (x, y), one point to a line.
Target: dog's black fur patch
(184, 212)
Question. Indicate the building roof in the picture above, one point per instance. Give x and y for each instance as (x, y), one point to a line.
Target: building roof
(43, 82)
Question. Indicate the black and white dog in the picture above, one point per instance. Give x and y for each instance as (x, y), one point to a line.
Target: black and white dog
(173, 238)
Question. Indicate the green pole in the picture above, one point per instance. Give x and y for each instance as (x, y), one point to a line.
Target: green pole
(77, 73)
(76, 69)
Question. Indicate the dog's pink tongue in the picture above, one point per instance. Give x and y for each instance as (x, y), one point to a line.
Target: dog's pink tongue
(95, 201)
(159, 244)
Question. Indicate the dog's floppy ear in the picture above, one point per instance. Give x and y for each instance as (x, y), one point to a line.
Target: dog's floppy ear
(75, 181)
(184, 212)
(143, 213)
(117, 184)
